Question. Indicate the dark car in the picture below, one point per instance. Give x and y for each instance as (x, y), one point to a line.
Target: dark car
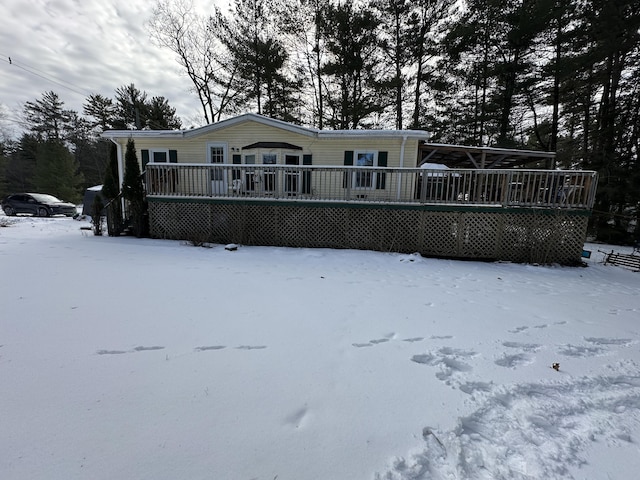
(39, 204)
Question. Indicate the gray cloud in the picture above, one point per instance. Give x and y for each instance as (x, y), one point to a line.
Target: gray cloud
(79, 47)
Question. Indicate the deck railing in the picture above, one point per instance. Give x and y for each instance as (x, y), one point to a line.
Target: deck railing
(527, 188)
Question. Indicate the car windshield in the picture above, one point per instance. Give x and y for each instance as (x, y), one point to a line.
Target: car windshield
(44, 198)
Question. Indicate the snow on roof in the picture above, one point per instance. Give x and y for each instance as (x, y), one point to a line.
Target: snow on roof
(247, 117)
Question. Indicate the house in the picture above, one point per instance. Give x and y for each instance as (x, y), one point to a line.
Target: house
(261, 144)
(255, 180)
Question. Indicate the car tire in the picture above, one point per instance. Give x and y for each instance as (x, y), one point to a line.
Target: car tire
(43, 212)
(9, 211)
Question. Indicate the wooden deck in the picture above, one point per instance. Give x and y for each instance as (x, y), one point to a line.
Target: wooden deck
(556, 189)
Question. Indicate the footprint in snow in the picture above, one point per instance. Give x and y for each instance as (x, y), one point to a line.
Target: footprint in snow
(581, 351)
(471, 387)
(449, 362)
(144, 349)
(413, 339)
(209, 347)
(527, 347)
(513, 361)
(551, 426)
(623, 342)
(298, 418)
(519, 329)
(136, 349)
(376, 341)
(362, 345)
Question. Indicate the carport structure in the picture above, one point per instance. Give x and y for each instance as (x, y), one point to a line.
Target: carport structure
(463, 156)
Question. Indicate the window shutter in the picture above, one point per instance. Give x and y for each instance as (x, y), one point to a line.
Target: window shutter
(306, 175)
(381, 179)
(348, 160)
(173, 158)
(237, 160)
(145, 158)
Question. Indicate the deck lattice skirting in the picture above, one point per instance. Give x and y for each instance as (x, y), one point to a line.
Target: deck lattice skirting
(525, 235)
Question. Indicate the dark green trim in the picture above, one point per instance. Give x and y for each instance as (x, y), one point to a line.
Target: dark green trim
(145, 158)
(348, 160)
(237, 160)
(381, 178)
(307, 159)
(372, 206)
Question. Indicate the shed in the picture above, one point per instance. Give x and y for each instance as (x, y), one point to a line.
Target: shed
(89, 197)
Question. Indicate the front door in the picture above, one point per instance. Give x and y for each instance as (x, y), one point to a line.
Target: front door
(216, 156)
(291, 177)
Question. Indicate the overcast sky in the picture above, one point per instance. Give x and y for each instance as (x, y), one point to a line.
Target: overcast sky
(80, 47)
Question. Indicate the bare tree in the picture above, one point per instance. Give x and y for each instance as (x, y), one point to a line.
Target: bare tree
(175, 26)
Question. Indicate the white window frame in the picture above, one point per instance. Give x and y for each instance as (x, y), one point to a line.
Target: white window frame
(225, 161)
(354, 178)
(153, 151)
(263, 154)
(225, 151)
(269, 176)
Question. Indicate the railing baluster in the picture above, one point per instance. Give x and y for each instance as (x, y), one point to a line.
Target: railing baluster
(530, 188)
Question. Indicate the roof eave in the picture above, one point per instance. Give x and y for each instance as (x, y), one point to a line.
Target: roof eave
(374, 133)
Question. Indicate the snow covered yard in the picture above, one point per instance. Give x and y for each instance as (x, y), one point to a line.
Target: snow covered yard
(123, 358)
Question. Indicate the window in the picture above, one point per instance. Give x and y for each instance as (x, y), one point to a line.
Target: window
(269, 158)
(250, 176)
(364, 179)
(216, 156)
(159, 156)
(291, 177)
(269, 175)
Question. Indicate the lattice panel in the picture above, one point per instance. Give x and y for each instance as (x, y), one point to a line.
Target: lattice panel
(440, 233)
(543, 238)
(403, 232)
(477, 235)
(518, 237)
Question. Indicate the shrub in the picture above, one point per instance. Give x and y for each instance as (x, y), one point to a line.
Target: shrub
(96, 216)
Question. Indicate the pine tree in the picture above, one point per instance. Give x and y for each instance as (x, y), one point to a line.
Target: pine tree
(101, 112)
(47, 117)
(357, 88)
(131, 107)
(133, 191)
(258, 61)
(57, 171)
(110, 191)
(96, 215)
(161, 115)
(110, 184)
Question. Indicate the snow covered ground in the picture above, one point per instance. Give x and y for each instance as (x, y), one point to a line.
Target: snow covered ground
(123, 358)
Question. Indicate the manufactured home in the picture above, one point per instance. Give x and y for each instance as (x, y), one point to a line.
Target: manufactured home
(255, 180)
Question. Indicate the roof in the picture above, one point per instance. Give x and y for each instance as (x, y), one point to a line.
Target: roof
(462, 156)
(288, 146)
(253, 117)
